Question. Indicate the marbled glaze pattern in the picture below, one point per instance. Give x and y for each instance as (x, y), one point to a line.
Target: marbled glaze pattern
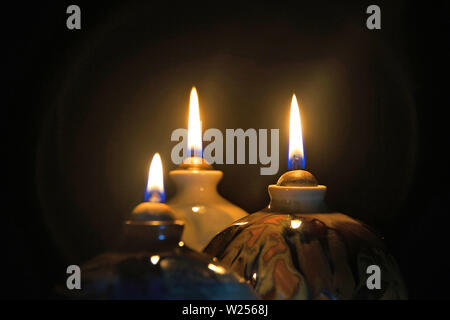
(307, 256)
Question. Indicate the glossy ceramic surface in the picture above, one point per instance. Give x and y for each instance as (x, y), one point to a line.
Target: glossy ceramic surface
(178, 274)
(198, 203)
(307, 256)
(153, 263)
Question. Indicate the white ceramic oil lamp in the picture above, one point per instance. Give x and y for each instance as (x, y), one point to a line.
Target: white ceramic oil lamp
(298, 249)
(197, 201)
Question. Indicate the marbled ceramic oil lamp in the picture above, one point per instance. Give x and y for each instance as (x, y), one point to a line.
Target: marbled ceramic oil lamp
(197, 201)
(298, 249)
(153, 262)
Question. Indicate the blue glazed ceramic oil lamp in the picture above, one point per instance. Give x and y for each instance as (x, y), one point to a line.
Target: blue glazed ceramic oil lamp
(197, 201)
(298, 249)
(153, 262)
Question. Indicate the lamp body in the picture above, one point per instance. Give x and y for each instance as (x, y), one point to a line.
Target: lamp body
(152, 263)
(198, 203)
(297, 249)
(181, 273)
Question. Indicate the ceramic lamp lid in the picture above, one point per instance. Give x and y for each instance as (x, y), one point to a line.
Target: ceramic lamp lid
(152, 226)
(297, 191)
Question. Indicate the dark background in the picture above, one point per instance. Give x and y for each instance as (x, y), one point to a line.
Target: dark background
(84, 111)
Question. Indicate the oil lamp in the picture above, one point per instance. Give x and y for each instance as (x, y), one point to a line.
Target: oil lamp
(296, 248)
(197, 201)
(153, 262)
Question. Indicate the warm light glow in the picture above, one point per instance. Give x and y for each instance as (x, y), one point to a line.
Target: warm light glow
(194, 126)
(181, 243)
(254, 276)
(295, 224)
(154, 259)
(195, 209)
(155, 183)
(296, 152)
(217, 269)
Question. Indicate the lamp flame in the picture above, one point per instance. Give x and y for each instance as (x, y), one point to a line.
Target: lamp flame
(155, 184)
(296, 153)
(194, 126)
